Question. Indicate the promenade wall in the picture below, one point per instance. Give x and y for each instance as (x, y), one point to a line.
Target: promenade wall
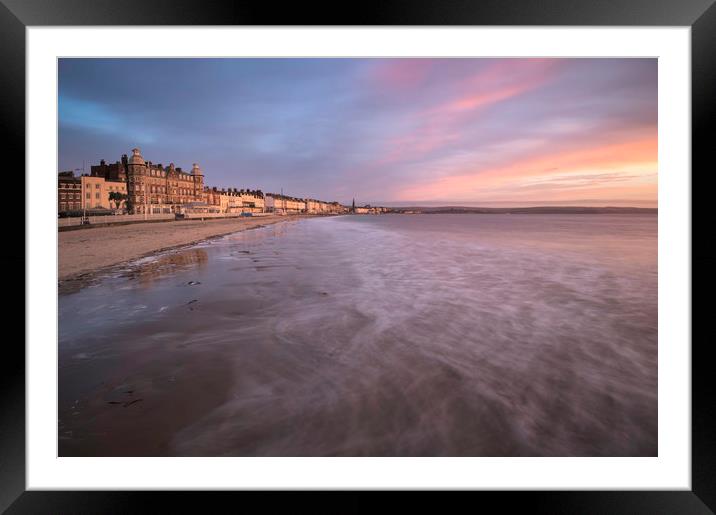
(116, 219)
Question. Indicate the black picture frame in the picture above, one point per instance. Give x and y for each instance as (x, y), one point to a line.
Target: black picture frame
(16, 15)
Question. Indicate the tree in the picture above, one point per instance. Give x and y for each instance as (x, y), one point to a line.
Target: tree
(118, 198)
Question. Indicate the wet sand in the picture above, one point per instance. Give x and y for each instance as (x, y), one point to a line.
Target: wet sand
(136, 404)
(84, 252)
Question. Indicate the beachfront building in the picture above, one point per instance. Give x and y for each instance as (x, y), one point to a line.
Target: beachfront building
(277, 203)
(96, 192)
(88, 193)
(153, 188)
(337, 209)
(234, 200)
(313, 206)
(320, 207)
(241, 201)
(93, 193)
(367, 209)
(69, 192)
(253, 201)
(111, 172)
(331, 208)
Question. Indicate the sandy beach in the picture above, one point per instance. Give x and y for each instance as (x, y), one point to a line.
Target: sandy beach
(83, 252)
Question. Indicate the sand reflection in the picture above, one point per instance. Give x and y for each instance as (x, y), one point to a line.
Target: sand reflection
(148, 273)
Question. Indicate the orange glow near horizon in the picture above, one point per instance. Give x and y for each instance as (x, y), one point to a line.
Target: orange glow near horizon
(616, 171)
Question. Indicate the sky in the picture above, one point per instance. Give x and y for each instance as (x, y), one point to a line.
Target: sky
(393, 132)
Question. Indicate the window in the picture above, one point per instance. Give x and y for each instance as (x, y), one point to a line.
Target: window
(96, 195)
(88, 195)
(96, 186)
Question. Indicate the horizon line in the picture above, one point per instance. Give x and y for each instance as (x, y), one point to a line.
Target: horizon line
(646, 204)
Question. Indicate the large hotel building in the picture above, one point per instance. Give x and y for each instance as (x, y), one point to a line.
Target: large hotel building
(153, 188)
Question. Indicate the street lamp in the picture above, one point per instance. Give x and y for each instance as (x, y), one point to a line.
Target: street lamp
(82, 194)
(144, 192)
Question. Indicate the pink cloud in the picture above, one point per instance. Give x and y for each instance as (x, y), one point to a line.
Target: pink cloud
(500, 81)
(440, 125)
(401, 73)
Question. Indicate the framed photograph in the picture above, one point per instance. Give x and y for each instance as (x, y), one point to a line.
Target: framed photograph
(426, 247)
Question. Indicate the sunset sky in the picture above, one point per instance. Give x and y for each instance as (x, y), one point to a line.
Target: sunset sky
(385, 131)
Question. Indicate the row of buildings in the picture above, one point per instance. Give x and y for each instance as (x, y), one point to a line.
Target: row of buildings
(136, 186)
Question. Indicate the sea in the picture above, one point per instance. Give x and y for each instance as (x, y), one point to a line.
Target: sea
(387, 335)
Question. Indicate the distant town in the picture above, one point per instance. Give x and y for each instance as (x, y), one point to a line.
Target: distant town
(135, 186)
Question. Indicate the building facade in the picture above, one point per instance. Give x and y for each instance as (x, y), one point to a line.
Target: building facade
(88, 193)
(235, 201)
(277, 203)
(320, 207)
(93, 193)
(152, 188)
(156, 189)
(96, 193)
(69, 192)
(313, 206)
(110, 172)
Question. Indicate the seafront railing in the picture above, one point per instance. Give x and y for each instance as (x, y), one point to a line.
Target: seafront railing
(114, 219)
(111, 219)
(193, 216)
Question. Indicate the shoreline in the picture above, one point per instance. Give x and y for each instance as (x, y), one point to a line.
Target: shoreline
(85, 255)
